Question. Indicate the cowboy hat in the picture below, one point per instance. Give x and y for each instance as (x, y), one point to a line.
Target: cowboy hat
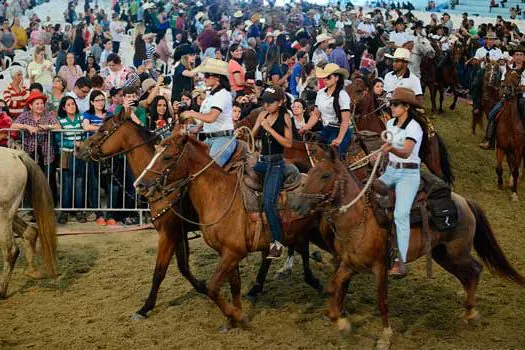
(322, 37)
(148, 5)
(406, 95)
(213, 66)
(148, 84)
(238, 14)
(399, 20)
(329, 69)
(418, 24)
(207, 22)
(248, 23)
(35, 95)
(255, 17)
(518, 48)
(273, 94)
(181, 50)
(400, 54)
(199, 15)
(491, 35)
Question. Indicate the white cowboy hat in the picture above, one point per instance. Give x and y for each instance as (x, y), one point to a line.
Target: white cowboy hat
(213, 66)
(329, 69)
(238, 14)
(148, 5)
(199, 15)
(322, 37)
(207, 22)
(248, 23)
(400, 54)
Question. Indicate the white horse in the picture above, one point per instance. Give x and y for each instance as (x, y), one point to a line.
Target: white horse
(20, 174)
(422, 48)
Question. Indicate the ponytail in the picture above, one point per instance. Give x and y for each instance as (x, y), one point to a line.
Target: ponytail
(422, 121)
(338, 87)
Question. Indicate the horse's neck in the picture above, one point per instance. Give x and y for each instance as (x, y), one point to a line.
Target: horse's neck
(415, 64)
(140, 156)
(351, 217)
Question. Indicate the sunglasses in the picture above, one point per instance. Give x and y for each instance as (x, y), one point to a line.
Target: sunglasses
(207, 75)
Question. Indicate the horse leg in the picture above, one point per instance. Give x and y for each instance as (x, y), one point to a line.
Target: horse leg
(309, 277)
(235, 288)
(499, 167)
(515, 168)
(10, 251)
(261, 278)
(29, 234)
(380, 272)
(453, 105)
(182, 249)
(465, 268)
(433, 95)
(228, 262)
(441, 98)
(337, 289)
(165, 249)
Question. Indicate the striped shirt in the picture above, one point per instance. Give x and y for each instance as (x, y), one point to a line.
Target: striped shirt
(16, 101)
(150, 50)
(66, 140)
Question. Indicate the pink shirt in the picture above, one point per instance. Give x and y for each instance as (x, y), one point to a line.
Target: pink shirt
(235, 67)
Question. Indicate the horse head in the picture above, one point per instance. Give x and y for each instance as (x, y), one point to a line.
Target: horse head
(510, 87)
(423, 47)
(492, 75)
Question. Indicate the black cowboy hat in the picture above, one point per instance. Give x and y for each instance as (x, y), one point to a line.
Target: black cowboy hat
(181, 50)
(418, 24)
(518, 48)
(399, 20)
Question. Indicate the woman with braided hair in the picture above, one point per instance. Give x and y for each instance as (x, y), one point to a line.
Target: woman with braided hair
(332, 106)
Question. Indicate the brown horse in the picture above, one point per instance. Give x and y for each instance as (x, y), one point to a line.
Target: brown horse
(182, 161)
(510, 133)
(361, 244)
(120, 135)
(490, 93)
(438, 79)
(365, 114)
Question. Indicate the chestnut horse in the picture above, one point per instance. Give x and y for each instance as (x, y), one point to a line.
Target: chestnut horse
(361, 245)
(183, 162)
(510, 132)
(120, 135)
(490, 93)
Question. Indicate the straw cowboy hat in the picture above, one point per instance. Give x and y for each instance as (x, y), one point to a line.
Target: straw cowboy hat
(35, 95)
(322, 37)
(255, 17)
(518, 48)
(406, 95)
(491, 35)
(238, 14)
(330, 69)
(148, 6)
(400, 54)
(213, 66)
(199, 15)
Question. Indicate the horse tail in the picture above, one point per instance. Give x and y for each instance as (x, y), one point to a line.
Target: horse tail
(489, 250)
(42, 202)
(446, 169)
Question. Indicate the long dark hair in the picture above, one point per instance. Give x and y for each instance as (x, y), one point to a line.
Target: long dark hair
(62, 105)
(338, 88)
(231, 50)
(154, 115)
(273, 57)
(418, 117)
(140, 48)
(94, 94)
(224, 83)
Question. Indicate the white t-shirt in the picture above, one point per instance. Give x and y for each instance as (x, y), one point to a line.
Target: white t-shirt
(410, 130)
(325, 104)
(495, 54)
(409, 80)
(367, 28)
(82, 103)
(222, 101)
(399, 38)
(113, 27)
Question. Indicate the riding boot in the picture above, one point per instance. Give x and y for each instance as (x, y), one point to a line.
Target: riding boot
(489, 142)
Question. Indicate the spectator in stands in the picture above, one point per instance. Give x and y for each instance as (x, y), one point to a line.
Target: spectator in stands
(116, 98)
(108, 49)
(81, 92)
(57, 92)
(183, 75)
(116, 29)
(5, 123)
(20, 34)
(115, 74)
(16, 94)
(130, 104)
(72, 169)
(37, 122)
(162, 49)
(7, 40)
(160, 113)
(40, 70)
(70, 72)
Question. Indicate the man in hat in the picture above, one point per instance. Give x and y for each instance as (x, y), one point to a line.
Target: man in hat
(490, 50)
(322, 42)
(398, 36)
(338, 55)
(366, 29)
(518, 63)
(255, 28)
(401, 75)
(446, 22)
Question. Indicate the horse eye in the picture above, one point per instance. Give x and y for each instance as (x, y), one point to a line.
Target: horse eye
(167, 158)
(326, 176)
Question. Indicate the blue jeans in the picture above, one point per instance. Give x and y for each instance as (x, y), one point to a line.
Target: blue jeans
(273, 180)
(330, 133)
(406, 184)
(494, 112)
(73, 176)
(217, 145)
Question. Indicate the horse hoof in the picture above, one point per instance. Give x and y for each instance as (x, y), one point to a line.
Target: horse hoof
(245, 323)
(35, 274)
(500, 187)
(225, 328)
(514, 197)
(343, 326)
(138, 317)
(252, 298)
(384, 342)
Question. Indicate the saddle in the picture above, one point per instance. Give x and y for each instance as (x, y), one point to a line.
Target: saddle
(433, 204)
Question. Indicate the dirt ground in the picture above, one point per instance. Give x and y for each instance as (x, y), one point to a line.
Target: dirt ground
(105, 278)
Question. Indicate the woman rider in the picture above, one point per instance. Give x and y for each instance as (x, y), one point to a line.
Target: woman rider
(408, 138)
(276, 134)
(216, 111)
(332, 106)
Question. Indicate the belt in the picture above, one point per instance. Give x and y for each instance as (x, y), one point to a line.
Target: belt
(397, 165)
(271, 158)
(217, 134)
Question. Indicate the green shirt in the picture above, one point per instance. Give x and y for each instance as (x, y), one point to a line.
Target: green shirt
(331, 24)
(134, 8)
(66, 140)
(140, 112)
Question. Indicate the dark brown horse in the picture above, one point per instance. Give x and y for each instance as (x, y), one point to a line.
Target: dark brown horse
(183, 161)
(438, 79)
(120, 134)
(510, 133)
(365, 114)
(360, 244)
(490, 93)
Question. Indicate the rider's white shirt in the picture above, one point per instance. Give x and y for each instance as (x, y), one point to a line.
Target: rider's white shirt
(410, 130)
(325, 104)
(409, 80)
(399, 38)
(222, 101)
(495, 54)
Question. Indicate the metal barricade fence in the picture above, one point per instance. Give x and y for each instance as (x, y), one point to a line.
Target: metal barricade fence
(79, 185)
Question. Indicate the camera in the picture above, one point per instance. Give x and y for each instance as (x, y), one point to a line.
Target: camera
(183, 107)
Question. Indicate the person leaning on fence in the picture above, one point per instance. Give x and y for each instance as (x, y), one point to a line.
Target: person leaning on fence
(37, 123)
(5, 123)
(72, 169)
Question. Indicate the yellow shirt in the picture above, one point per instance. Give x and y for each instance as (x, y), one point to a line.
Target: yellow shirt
(21, 37)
